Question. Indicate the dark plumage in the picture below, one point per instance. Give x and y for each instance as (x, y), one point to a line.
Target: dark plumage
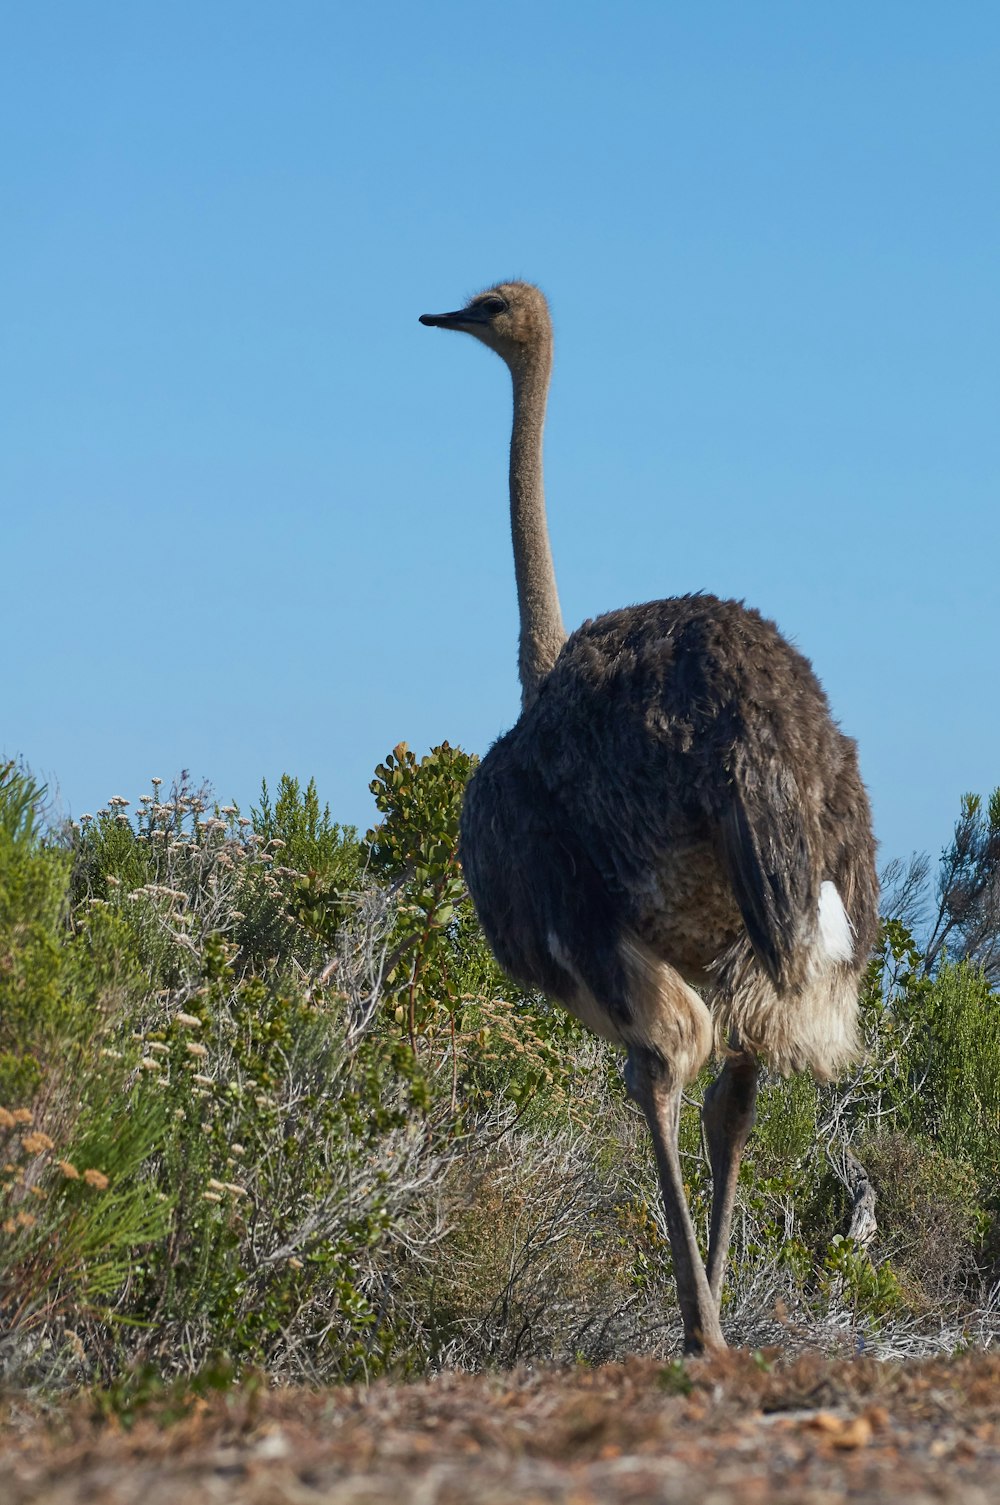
(674, 839)
(679, 780)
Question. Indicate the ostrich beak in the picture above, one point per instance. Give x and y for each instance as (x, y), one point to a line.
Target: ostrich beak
(461, 318)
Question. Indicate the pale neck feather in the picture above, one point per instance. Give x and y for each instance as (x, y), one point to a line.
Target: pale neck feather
(542, 630)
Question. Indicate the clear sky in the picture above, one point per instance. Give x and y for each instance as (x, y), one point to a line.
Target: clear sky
(253, 516)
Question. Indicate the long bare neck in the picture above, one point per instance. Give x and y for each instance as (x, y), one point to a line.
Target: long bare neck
(542, 631)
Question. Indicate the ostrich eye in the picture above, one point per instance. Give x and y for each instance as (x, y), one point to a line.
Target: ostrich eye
(493, 305)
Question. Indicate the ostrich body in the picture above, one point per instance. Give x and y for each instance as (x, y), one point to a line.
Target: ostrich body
(674, 840)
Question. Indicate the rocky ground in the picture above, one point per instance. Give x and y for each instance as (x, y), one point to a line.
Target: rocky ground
(740, 1427)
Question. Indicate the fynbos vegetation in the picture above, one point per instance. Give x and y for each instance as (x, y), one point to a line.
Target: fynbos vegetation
(266, 1101)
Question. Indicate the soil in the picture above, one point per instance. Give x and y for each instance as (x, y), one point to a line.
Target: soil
(738, 1427)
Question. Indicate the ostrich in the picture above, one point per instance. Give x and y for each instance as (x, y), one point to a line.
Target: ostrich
(673, 841)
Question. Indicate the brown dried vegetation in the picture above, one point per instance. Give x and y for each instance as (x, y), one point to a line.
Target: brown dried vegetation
(741, 1427)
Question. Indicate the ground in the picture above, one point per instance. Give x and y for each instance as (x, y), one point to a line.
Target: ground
(740, 1427)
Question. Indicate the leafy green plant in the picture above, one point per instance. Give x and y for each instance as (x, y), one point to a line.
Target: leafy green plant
(416, 848)
(850, 1277)
(931, 1219)
(72, 1139)
(322, 859)
(33, 905)
(268, 1105)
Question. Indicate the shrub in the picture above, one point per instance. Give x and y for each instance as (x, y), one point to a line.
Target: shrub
(930, 1218)
(266, 1094)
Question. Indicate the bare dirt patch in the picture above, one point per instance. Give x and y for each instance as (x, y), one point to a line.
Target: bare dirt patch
(733, 1428)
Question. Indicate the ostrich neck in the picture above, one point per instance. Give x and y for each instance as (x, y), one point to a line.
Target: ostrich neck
(542, 631)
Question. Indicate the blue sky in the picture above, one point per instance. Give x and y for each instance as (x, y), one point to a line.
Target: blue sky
(254, 516)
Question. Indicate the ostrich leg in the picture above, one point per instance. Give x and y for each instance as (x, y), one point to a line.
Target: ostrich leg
(659, 1097)
(727, 1116)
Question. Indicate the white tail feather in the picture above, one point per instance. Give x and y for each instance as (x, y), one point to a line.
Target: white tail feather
(835, 929)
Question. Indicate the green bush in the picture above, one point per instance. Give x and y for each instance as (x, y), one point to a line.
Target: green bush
(952, 1081)
(73, 1204)
(33, 906)
(931, 1221)
(265, 1094)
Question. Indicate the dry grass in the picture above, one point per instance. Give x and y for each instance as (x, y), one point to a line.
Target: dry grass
(740, 1427)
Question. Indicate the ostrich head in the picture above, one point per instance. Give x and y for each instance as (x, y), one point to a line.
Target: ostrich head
(511, 318)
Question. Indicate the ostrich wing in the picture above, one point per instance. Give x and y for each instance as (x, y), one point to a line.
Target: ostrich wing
(766, 854)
